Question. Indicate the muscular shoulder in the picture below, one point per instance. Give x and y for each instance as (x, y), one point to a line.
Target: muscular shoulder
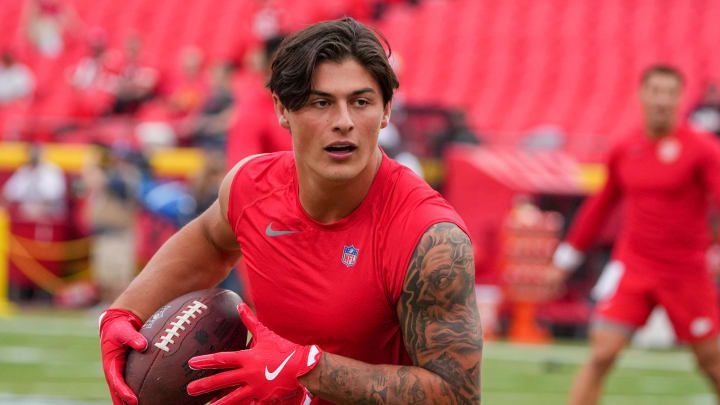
(252, 176)
(265, 169)
(407, 196)
(410, 208)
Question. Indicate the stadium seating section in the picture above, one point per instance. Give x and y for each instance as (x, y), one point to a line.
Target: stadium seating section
(519, 64)
(222, 28)
(514, 65)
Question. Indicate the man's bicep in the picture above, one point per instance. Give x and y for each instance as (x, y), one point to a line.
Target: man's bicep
(438, 312)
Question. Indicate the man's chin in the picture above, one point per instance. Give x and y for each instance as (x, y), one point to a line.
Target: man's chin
(661, 128)
(339, 177)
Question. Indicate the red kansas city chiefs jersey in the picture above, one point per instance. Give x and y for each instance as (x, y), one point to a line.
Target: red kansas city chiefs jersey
(335, 285)
(665, 187)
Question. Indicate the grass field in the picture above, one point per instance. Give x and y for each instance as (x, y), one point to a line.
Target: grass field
(49, 357)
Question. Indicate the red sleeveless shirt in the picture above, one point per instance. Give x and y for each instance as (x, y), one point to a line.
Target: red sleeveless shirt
(335, 285)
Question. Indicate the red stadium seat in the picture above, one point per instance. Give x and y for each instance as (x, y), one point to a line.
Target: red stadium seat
(516, 65)
(513, 65)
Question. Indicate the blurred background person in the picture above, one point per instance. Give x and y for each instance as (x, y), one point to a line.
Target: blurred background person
(390, 140)
(46, 23)
(204, 186)
(92, 79)
(111, 209)
(254, 127)
(36, 198)
(664, 174)
(16, 80)
(187, 87)
(136, 83)
(37, 189)
(705, 115)
(208, 127)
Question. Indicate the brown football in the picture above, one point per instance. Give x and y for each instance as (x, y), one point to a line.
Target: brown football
(199, 322)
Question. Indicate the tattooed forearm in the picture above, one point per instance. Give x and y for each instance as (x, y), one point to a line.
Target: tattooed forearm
(441, 327)
(346, 381)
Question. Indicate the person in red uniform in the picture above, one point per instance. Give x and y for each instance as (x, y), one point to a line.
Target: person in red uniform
(254, 127)
(361, 274)
(664, 174)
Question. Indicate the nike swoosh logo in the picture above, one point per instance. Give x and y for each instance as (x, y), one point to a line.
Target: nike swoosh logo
(271, 232)
(271, 376)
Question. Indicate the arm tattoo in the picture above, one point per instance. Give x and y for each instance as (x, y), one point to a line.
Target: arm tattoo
(441, 327)
(439, 314)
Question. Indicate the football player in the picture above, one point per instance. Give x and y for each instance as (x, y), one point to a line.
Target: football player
(663, 173)
(362, 275)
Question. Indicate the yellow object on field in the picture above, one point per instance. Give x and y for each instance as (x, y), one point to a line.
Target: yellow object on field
(177, 162)
(72, 158)
(12, 155)
(6, 308)
(591, 177)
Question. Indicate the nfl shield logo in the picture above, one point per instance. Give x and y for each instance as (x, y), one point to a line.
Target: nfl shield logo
(349, 256)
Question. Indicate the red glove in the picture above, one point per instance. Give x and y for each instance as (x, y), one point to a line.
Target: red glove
(118, 330)
(266, 373)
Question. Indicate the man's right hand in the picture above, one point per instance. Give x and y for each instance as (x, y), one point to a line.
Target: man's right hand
(564, 261)
(118, 333)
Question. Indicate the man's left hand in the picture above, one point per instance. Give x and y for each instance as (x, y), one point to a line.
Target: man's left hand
(266, 373)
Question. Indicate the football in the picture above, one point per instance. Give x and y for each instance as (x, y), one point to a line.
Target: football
(200, 322)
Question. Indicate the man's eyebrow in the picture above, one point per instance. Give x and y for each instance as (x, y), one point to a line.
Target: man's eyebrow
(320, 93)
(354, 93)
(362, 91)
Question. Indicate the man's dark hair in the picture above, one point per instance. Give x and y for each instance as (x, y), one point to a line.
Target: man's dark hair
(662, 69)
(336, 40)
(271, 46)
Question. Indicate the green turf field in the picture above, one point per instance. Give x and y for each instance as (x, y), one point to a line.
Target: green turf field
(49, 357)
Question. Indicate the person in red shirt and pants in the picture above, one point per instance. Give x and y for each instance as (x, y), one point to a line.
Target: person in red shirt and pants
(663, 174)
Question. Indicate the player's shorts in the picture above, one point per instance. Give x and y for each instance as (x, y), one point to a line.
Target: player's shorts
(627, 296)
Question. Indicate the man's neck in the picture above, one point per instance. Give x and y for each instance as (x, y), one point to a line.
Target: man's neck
(656, 134)
(328, 202)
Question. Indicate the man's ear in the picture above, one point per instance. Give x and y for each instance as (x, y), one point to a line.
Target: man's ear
(281, 112)
(386, 115)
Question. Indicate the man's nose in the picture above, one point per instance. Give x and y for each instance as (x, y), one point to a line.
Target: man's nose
(343, 120)
(666, 99)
